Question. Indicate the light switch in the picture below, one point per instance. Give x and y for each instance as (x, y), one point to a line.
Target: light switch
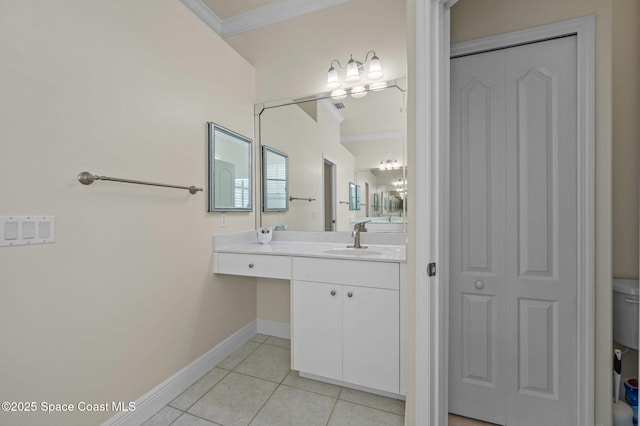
(21, 230)
(44, 230)
(28, 230)
(11, 230)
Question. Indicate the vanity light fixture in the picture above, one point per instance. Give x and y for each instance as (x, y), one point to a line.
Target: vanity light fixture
(354, 72)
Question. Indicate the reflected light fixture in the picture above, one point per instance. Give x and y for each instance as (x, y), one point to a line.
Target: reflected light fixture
(354, 71)
(389, 165)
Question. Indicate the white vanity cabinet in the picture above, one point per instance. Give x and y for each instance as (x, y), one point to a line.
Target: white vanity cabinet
(252, 265)
(346, 321)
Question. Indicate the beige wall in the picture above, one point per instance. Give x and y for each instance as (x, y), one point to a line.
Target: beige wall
(473, 19)
(125, 297)
(626, 136)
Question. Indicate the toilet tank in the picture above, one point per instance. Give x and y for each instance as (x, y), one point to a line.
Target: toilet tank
(625, 312)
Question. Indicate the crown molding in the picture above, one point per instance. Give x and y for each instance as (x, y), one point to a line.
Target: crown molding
(275, 12)
(203, 12)
(256, 18)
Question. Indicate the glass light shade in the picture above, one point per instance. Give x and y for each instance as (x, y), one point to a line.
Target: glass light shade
(353, 73)
(339, 94)
(375, 69)
(382, 165)
(396, 165)
(358, 92)
(333, 82)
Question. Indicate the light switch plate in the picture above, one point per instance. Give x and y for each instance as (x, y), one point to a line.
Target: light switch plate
(27, 230)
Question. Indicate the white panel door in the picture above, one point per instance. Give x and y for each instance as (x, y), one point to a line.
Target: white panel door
(541, 203)
(513, 253)
(477, 291)
(371, 337)
(317, 328)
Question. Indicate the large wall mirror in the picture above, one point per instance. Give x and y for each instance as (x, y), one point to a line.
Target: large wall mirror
(331, 142)
(230, 170)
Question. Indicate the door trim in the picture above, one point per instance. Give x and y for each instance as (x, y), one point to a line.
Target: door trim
(428, 118)
(431, 133)
(334, 174)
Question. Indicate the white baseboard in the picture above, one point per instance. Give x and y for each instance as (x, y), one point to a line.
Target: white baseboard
(154, 400)
(273, 328)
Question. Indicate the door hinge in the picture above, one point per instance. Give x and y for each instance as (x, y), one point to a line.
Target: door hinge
(431, 269)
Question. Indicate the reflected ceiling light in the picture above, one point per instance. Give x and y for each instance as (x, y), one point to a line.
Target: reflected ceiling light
(354, 70)
(389, 165)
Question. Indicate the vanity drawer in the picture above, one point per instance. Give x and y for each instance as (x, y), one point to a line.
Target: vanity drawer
(253, 265)
(347, 272)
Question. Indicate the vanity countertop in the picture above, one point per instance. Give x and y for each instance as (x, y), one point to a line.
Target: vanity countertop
(375, 251)
(394, 253)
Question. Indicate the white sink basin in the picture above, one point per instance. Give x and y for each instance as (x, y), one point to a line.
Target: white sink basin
(352, 252)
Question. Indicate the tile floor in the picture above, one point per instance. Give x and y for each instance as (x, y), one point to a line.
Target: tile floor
(463, 421)
(254, 386)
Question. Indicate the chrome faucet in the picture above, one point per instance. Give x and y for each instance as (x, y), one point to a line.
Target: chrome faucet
(357, 228)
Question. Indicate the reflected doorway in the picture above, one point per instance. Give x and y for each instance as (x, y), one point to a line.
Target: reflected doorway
(366, 199)
(329, 179)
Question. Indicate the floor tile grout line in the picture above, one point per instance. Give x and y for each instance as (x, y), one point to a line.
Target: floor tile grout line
(263, 405)
(373, 408)
(206, 392)
(194, 415)
(272, 393)
(369, 406)
(223, 369)
(310, 391)
(335, 403)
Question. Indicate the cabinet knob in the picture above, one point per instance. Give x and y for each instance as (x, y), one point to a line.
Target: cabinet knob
(350, 294)
(333, 292)
(479, 284)
(251, 266)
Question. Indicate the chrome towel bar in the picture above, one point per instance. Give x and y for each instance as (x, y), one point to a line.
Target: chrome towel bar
(303, 199)
(87, 178)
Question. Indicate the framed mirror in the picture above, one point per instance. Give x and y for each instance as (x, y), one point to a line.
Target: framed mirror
(230, 170)
(275, 180)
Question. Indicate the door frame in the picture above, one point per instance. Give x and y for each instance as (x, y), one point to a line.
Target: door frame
(334, 173)
(430, 71)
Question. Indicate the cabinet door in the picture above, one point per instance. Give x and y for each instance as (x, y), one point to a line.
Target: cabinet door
(371, 337)
(317, 328)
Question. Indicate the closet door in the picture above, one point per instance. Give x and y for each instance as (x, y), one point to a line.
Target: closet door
(541, 245)
(477, 347)
(513, 242)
